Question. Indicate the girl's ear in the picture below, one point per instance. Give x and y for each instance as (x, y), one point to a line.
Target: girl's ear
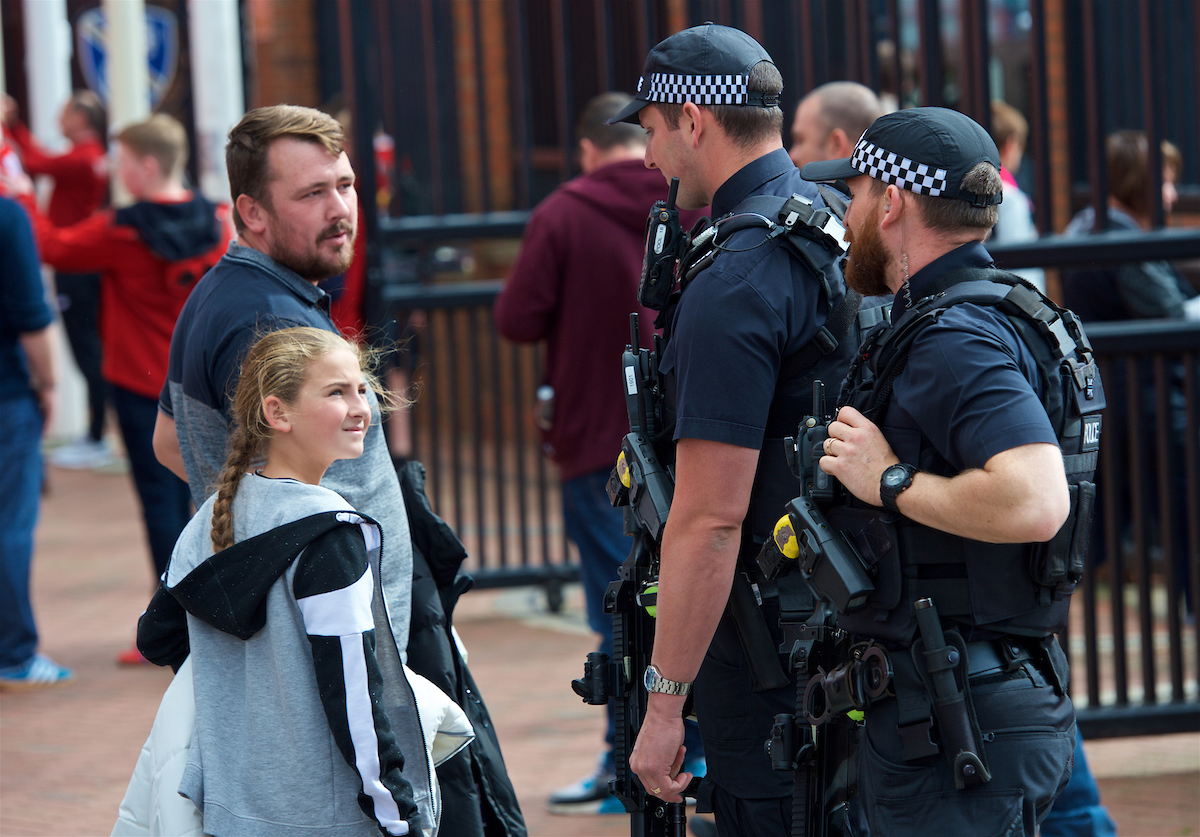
(276, 414)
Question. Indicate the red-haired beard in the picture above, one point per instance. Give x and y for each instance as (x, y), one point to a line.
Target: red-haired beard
(868, 262)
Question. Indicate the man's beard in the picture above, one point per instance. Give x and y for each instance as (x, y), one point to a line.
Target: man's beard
(868, 261)
(314, 265)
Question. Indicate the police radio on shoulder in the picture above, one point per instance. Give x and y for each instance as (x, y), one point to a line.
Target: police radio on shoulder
(665, 243)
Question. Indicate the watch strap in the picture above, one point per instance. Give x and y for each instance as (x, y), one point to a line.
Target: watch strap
(655, 682)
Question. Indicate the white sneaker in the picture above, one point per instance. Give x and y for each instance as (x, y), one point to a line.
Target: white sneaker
(82, 454)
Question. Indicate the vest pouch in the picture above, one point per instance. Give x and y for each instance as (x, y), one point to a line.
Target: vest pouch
(971, 582)
(1057, 565)
(873, 534)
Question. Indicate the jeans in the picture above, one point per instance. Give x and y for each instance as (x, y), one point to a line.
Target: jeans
(1077, 812)
(165, 498)
(598, 530)
(21, 489)
(79, 304)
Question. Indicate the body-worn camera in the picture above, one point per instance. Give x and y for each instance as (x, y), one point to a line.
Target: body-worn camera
(665, 244)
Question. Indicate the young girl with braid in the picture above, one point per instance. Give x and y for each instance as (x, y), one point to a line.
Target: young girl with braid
(298, 711)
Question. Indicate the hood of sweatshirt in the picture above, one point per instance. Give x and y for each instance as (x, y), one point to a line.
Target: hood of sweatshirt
(624, 192)
(174, 231)
(229, 590)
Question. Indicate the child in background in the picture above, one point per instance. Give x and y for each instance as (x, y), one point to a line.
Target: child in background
(274, 572)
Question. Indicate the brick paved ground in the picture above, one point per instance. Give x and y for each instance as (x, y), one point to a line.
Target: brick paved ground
(66, 753)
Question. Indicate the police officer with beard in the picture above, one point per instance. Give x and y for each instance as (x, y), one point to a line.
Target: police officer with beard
(952, 456)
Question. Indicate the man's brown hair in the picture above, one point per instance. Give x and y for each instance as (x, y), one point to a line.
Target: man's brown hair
(250, 140)
(745, 125)
(593, 123)
(1128, 156)
(954, 215)
(160, 137)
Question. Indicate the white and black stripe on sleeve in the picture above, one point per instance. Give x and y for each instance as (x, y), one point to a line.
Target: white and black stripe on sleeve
(333, 588)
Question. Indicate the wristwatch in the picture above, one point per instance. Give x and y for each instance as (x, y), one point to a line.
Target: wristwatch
(655, 682)
(895, 479)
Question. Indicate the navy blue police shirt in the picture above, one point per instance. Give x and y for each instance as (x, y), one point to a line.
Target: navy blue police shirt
(971, 388)
(740, 318)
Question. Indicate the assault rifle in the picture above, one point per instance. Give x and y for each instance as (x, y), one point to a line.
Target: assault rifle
(818, 741)
(643, 485)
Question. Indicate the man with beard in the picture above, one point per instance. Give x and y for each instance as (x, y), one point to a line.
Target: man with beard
(709, 101)
(296, 212)
(960, 471)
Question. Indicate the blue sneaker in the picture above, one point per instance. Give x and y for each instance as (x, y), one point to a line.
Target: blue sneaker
(611, 805)
(39, 672)
(698, 767)
(583, 797)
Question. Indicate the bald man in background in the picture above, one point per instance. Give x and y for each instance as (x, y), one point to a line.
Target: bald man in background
(830, 119)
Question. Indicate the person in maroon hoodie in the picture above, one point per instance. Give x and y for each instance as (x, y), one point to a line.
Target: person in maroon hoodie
(150, 255)
(80, 177)
(574, 284)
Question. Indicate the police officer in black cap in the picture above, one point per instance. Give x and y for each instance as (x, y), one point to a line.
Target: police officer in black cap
(967, 484)
(709, 101)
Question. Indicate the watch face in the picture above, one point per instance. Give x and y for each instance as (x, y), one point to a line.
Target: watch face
(649, 678)
(894, 476)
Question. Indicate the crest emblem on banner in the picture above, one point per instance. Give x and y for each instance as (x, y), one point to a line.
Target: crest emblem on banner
(162, 50)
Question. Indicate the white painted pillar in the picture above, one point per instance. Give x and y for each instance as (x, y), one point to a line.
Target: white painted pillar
(48, 68)
(216, 56)
(128, 74)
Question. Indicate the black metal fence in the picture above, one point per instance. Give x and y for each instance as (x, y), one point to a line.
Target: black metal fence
(481, 96)
(1133, 642)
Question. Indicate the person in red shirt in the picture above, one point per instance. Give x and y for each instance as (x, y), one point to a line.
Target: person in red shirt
(80, 188)
(150, 255)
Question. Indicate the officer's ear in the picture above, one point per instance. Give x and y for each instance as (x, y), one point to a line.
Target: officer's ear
(893, 205)
(690, 122)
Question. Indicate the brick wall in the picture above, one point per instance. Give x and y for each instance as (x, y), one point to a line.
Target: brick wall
(284, 68)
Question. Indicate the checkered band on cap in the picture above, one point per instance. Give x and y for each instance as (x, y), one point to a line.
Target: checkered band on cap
(890, 167)
(699, 89)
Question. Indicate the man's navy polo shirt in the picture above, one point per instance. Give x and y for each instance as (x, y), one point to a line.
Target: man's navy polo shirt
(971, 387)
(740, 318)
(245, 296)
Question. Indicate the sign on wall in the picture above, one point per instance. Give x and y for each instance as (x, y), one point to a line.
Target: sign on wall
(162, 47)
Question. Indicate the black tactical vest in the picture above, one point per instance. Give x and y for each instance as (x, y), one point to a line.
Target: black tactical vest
(813, 238)
(1001, 589)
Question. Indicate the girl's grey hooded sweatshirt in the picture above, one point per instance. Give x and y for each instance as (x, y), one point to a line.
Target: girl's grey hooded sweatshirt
(303, 712)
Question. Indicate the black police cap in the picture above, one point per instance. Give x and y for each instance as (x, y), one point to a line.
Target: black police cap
(924, 150)
(708, 65)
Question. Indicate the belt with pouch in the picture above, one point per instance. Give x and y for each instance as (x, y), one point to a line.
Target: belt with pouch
(996, 656)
